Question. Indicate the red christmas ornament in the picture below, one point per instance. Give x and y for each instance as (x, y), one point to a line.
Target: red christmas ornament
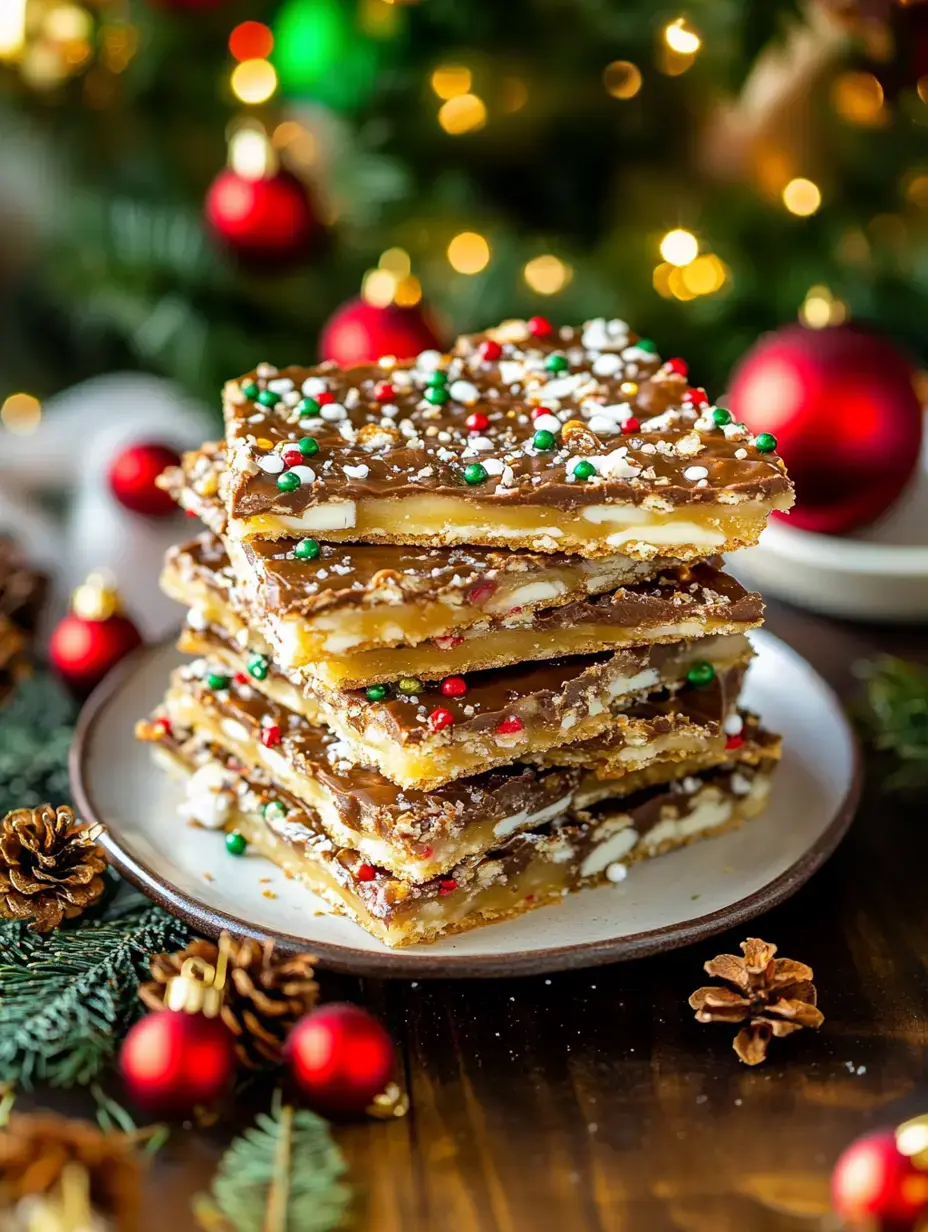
(879, 1184)
(182, 1056)
(93, 637)
(848, 424)
(132, 478)
(360, 333)
(340, 1058)
(266, 220)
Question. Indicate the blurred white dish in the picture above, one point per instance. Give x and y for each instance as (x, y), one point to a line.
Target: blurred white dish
(880, 575)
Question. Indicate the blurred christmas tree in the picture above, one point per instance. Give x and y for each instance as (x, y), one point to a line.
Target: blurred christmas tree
(193, 185)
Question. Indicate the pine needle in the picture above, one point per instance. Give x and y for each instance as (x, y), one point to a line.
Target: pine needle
(895, 715)
(67, 998)
(284, 1174)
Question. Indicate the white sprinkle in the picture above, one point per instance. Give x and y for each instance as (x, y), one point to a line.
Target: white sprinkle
(305, 474)
(616, 873)
(280, 385)
(265, 370)
(334, 412)
(605, 424)
(741, 454)
(733, 725)
(547, 423)
(464, 391)
(695, 472)
(271, 463)
(357, 472)
(494, 466)
(607, 365)
(312, 386)
(428, 361)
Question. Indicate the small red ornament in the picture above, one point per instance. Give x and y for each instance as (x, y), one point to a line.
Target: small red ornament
(454, 686)
(360, 333)
(631, 424)
(879, 1184)
(478, 422)
(340, 1058)
(440, 718)
(678, 366)
(93, 637)
(842, 406)
(132, 476)
(383, 391)
(173, 1061)
(489, 351)
(264, 220)
(540, 327)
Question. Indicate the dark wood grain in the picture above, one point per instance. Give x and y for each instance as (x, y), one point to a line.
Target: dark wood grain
(593, 1102)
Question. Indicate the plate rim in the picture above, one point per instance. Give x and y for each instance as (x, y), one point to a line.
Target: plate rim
(393, 964)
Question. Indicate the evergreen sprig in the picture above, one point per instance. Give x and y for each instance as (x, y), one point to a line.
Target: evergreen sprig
(67, 998)
(895, 715)
(284, 1174)
(36, 729)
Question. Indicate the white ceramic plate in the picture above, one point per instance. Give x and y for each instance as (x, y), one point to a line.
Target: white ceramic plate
(882, 574)
(664, 903)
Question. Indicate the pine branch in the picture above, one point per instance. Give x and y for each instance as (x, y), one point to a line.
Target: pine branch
(35, 735)
(895, 715)
(67, 999)
(282, 1175)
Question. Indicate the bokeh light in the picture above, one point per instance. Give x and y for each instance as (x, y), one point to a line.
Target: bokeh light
(250, 153)
(858, 98)
(821, 308)
(679, 247)
(465, 113)
(397, 261)
(468, 253)
(622, 79)
(513, 94)
(21, 414)
(802, 197)
(408, 292)
(705, 275)
(254, 81)
(379, 287)
(681, 37)
(251, 40)
(547, 274)
(450, 80)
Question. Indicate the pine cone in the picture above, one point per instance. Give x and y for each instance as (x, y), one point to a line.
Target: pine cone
(265, 995)
(50, 868)
(775, 996)
(35, 1149)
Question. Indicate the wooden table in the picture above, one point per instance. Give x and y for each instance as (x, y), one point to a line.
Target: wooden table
(593, 1102)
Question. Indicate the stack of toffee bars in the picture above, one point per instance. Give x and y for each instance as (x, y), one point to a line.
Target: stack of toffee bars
(463, 639)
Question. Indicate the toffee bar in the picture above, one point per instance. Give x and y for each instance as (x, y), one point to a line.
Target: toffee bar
(528, 870)
(420, 734)
(683, 602)
(575, 440)
(416, 834)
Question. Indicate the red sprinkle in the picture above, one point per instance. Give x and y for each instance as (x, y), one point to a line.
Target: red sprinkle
(477, 594)
(270, 735)
(383, 391)
(440, 718)
(734, 742)
(696, 397)
(510, 726)
(540, 327)
(538, 411)
(454, 686)
(190, 513)
(677, 365)
(478, 422)
(365, 872)
(241, 678)
(426, 852)
(449, 642)
(490, 351)
(292, 456)
(161, 727)
(448, 886)
(631, 425)
(325, 398)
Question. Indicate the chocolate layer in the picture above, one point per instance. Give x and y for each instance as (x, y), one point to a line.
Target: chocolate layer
(395, 430)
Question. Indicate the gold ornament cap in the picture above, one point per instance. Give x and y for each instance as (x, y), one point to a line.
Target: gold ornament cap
(200, 987)
(97, 599)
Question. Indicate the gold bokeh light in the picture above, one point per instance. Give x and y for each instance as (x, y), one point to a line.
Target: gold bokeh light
(679, 247)
(622, 79)
(802, 197)
(547, 274)
(468, 253)
(465, 113)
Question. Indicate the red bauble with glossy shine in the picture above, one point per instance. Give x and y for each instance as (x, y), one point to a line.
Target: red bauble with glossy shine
(875, 1188)
(340, 1057)
(842, 405)
(361, 333)
(82, 651)
(132, 478)
(268, 219)
(172, 1061)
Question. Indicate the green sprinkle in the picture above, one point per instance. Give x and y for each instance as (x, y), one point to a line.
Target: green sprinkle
(645, 344)
(720, 416)
(250, 390)
(436, 394)
(309, 408)
(267, 397)
(409, 686)
(288, 482)
(273, 811)
(584, 470)
(258, 666)
(308, 446)
(375, 692)
(217, 681)
(766, 442)
(307, 549)
(701, 674)
(236, 844)
(439, 377)
(556, 363)
(475, 473)
(543, 439)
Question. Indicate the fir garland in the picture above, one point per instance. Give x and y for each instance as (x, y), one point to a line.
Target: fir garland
(282, 1175)
(36, 728)
(895, 715)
